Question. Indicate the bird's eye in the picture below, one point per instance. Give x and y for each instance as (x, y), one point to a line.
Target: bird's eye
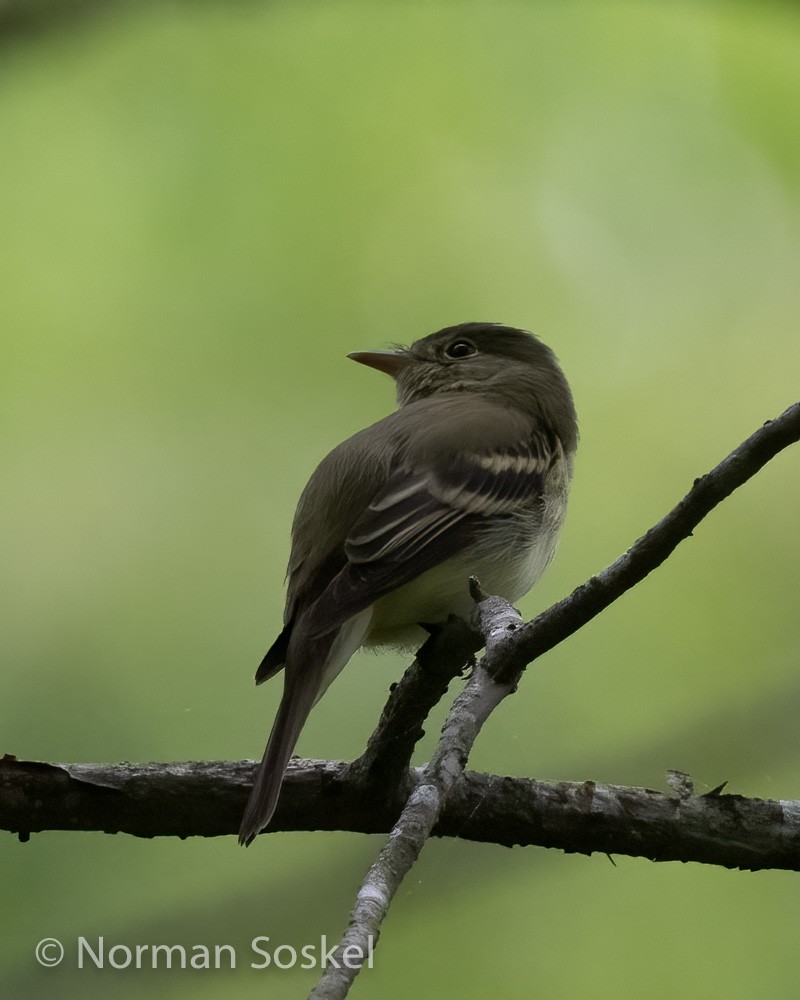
(460, 349)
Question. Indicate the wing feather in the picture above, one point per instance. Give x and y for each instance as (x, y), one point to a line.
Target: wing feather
(423, 517)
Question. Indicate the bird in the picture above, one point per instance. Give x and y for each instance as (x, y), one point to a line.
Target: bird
(469, 476)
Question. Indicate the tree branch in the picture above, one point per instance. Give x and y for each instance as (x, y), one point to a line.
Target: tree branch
(206, 799)
(385, 762)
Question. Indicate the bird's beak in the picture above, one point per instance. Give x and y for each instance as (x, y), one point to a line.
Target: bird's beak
(391, 362)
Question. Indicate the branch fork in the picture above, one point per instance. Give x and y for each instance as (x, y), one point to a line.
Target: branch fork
(379, 790)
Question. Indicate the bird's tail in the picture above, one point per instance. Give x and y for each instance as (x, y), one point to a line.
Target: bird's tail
(311, 666)
(296, 703)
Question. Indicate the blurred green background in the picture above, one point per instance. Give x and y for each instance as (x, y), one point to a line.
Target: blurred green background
(202, 211)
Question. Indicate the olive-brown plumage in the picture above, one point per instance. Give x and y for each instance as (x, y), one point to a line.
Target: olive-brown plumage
(469, 476)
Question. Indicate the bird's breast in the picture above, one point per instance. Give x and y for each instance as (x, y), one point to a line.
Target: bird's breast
(508, 560)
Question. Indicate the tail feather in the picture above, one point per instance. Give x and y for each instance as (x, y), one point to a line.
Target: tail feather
(275, 657)
(311, 665)
(296, 703)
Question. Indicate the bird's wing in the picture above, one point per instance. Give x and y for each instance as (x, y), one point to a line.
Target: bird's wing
(422, 517)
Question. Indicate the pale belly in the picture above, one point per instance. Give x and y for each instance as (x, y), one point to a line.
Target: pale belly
(509, 571)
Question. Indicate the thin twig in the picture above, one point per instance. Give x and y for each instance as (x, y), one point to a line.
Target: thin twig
(648, 552)
(470, 710)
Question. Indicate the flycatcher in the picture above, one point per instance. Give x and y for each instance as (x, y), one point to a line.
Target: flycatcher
(468, 477)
